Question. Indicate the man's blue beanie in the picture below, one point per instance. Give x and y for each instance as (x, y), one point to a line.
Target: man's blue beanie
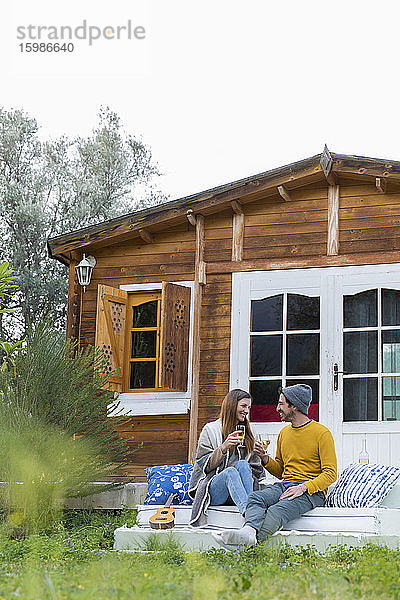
(300, 395)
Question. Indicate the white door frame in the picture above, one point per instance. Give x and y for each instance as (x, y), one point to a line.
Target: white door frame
(330, 283)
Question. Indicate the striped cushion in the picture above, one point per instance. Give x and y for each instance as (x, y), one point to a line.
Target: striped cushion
(363, 486)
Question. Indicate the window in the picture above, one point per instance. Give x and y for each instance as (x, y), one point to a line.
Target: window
(145, 337)
(284, 350)
(143, 342)
(371, 352)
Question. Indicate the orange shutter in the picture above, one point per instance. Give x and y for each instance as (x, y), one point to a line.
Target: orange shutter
(110, 330)
(174, 345)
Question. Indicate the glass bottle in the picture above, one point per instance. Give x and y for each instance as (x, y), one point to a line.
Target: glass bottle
(363, 457)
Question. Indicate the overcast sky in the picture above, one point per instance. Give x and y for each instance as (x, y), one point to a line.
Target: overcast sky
(219, 89)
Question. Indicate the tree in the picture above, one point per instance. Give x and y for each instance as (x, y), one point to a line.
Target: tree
(50, 187)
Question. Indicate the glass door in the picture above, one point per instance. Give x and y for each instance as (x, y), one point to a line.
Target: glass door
(371, 355)
(284, 350)
(336, 329)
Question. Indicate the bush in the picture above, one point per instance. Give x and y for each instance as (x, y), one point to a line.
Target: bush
(58, 425)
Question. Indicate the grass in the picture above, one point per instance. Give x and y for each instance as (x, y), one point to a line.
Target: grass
(76, 561)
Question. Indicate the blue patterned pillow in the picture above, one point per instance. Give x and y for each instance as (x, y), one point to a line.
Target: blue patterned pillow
(168, 479)
(363, 486)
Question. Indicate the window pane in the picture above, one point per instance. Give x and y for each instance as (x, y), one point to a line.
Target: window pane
(265, 399)
(142, 375)
(303, 354)
(390, 307)
(267, 314)
(145, 315)
(391, 351)
(360, 310)
(313, 411)
(360, 399)
(266, 355)
(360, 352)
(391, 398)
(302, 312)
(143, 344)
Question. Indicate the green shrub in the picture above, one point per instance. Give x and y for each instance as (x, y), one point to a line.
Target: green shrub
(57, 426)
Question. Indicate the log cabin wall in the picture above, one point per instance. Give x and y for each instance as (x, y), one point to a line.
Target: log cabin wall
(215, 331)
(368, 219)
(273, 229)
(298, 227)
(170, 257)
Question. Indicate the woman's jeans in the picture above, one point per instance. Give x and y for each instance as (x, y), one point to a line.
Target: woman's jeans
(233, 483)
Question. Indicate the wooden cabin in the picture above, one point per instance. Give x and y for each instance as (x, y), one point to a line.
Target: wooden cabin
(292, 275)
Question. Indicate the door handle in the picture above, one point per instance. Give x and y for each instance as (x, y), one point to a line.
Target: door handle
(336, 376)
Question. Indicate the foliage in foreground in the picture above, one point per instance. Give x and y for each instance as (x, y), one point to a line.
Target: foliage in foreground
(75, 562)
(57, 426)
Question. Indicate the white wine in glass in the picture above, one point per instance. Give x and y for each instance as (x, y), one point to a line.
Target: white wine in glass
(241, 432)
(264, 441)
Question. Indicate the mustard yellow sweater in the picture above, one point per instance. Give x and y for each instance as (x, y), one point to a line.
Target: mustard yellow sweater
(307, 454)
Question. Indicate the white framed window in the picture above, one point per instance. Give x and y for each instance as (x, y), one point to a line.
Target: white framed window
(154, 402)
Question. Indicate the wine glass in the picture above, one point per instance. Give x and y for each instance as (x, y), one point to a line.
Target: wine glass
(241, 432)
(264, 441)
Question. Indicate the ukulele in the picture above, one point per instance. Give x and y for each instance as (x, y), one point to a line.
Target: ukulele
(165, 516)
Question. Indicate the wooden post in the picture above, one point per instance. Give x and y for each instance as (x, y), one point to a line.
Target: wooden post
(237, 236)
(74, 300)
(199, 281)
(333, 220)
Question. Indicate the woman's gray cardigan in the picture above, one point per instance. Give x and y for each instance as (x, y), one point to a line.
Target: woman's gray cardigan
(210, 439)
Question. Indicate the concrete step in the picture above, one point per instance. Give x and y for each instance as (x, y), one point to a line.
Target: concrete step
(138, 539)
(128, 495)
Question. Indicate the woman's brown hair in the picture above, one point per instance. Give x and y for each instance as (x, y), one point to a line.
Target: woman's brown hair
(229, 417)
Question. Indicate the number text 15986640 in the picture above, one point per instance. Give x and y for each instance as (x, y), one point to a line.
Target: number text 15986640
(43, 47)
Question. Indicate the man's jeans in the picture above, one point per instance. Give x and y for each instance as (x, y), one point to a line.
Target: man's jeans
(233, 483)
(267, 514)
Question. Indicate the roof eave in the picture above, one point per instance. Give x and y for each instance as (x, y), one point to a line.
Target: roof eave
(210, 200)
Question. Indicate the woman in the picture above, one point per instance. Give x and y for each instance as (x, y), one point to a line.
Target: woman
(224, 471)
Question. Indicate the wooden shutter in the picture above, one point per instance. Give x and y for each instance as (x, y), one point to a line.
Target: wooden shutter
(174, 344)
(110, 330)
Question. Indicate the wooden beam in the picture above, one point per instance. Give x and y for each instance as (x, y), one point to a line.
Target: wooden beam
(341, 260)
(146, 236)
(237, 207)
(199, 268)
(373, 167)
(380, 183)
(284, 193)
(199, 272)
(237, 237)
(74, 301)
(191, 217)
(333, 221)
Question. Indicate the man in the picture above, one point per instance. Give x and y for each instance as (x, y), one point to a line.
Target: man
(305, 462)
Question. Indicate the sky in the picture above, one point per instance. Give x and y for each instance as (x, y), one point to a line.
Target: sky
(219, 90)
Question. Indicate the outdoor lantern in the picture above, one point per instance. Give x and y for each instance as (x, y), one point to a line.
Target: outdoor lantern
(84, 270)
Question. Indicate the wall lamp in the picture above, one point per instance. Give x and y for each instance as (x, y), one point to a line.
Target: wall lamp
(84, 270)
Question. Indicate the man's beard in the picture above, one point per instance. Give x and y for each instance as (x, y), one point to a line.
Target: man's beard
(289, 416)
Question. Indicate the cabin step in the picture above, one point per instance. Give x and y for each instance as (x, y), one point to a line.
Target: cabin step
(139, 539)
(128, 495)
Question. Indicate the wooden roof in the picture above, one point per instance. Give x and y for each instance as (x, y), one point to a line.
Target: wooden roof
(325, 166)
